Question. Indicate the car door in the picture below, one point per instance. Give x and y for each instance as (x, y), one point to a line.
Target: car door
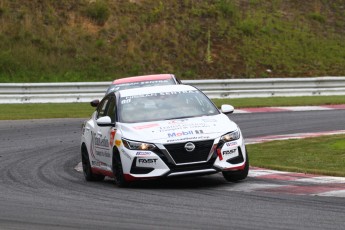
(104, 135)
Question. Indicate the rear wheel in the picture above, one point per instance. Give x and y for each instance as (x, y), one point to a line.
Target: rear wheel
(118, 171)
(89, 176)
(234, 176)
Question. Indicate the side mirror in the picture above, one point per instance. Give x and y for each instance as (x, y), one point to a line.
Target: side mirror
(104, 121)
(227, 109)
(94, 103)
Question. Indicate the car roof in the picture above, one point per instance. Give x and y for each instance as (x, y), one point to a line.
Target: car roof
(155, 89)
(143, 78)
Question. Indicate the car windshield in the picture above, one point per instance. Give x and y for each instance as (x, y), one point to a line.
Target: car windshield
(130, 85)
(165, 106)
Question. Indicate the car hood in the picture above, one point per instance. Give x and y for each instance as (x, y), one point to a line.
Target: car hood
(178, 130)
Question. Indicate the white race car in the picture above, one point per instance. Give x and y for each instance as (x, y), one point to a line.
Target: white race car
(162, 131)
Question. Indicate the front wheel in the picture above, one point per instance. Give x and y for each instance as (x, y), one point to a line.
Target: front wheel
(234, 176)
(118, 171)
(89, 176)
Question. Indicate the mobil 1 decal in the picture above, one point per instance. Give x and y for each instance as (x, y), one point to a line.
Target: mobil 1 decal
(185, 133)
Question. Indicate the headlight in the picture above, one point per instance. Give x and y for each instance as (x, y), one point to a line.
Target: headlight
(230, 136)
(133, 145)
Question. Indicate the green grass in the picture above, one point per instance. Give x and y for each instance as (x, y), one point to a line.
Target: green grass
(39, 111)
(83, 110)
(281, 101)
(65, 41)
(322, 155)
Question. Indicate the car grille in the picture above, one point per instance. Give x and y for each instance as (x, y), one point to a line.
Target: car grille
(181, 155)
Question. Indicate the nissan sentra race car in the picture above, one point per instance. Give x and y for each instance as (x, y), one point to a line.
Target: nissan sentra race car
(162, 131)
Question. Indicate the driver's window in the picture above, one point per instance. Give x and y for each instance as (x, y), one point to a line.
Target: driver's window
(101, 110)
(111, 109)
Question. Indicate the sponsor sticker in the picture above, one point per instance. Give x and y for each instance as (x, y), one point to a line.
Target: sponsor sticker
(230, 153)
(102, 153)
(118, 143)
(229, 144)
(177, 121)
(143, 153)
(183, 126)
(125, 100)
(188, 139)
(146, 126)
(112, 136)
(101, 142)
(98, 164)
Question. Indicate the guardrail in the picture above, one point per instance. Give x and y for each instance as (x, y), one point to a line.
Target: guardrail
(11, 93)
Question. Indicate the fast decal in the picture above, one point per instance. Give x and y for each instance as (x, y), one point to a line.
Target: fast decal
(112, 136)
(228, 152)
(147, 161)
(184, 133)
(118, 143)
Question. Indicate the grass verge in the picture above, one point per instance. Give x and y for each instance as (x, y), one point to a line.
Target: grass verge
(79, 110)
(40, 111)
(101, 40)
(322, 155)
(281, 101)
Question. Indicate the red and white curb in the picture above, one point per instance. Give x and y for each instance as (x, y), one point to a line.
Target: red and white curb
(273, 181)
(289, 109)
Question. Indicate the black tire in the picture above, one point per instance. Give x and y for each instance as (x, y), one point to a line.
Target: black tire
(89, 176)
(234, 176)
(119, 177)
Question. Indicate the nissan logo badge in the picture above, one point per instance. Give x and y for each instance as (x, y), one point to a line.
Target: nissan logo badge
(189, 147)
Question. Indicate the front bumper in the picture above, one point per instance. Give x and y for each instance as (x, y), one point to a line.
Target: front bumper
(172, 160)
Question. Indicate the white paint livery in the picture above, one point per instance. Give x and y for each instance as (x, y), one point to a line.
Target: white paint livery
(194, 145)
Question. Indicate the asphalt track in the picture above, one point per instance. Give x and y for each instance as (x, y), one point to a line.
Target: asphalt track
(39, 188)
